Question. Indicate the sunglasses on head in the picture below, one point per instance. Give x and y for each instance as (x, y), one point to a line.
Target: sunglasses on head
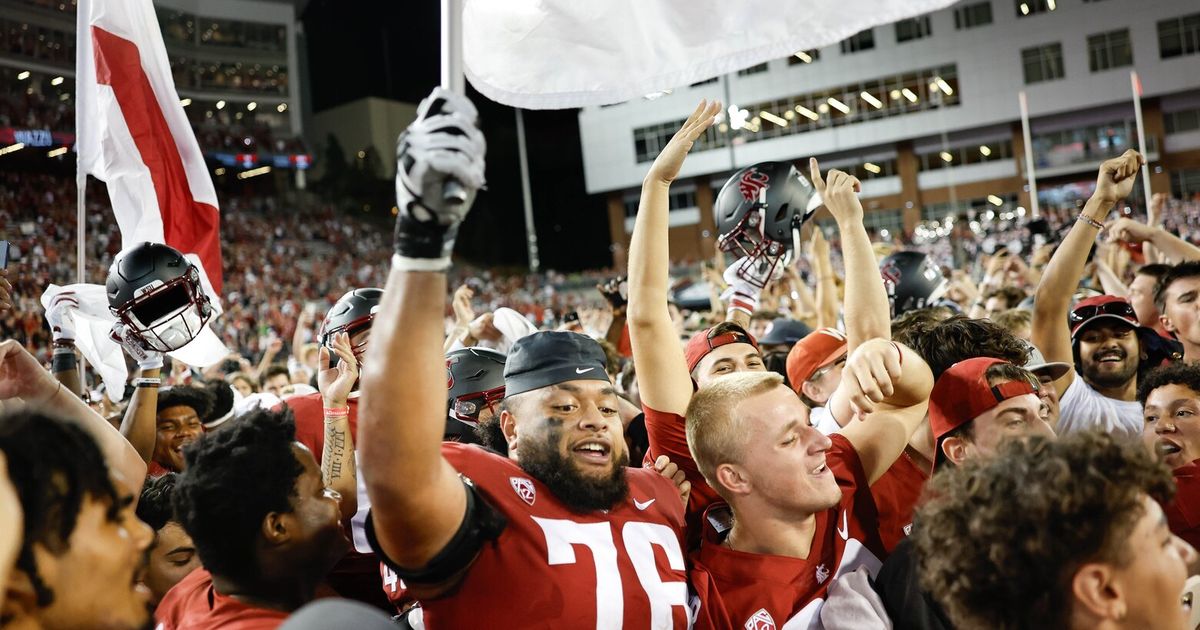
(1084, 313)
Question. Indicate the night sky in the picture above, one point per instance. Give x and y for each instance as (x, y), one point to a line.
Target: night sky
(390, 49)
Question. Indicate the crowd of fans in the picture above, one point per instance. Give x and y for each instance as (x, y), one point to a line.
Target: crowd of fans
(995, 428)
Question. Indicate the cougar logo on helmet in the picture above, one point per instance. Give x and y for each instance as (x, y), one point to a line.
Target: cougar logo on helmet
(890, 272)
(752, 183)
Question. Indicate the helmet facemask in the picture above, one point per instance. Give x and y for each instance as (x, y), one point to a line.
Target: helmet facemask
(760, 254)
(466, 408)
(167, 316)
(351, 329)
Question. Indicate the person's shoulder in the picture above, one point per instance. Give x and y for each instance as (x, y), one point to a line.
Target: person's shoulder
(177, 602)
(305, 404)
(472, 458)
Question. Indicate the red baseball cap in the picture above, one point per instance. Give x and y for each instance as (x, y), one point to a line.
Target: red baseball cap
(962, 394)
(816, 350)
(706, 341)
(1101, 307)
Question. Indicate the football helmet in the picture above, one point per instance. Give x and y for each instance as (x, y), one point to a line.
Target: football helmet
(759, 212)
(912, 281)
(156, 293)
(475, 381)
(351, 314)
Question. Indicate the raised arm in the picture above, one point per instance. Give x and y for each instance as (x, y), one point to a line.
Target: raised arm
(663, 377)
(827, 296)
(338, 469)
(418, 501)
(890, 384)
(1171, 249)
(866, 310)
(139, 426)
(1050, 332)
(22, 377)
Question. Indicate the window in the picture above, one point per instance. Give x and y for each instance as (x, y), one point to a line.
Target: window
(704, 82)
(1179, 122)
(1042, 63)
(1179, 36)
(878, 221)
(863, 40)
(973, 15)
(991, 151)
(649, 141)
(1185, 184)
(762, 67)
(804, 57)
(1033, 7)
(914, 28)
(1109, 50)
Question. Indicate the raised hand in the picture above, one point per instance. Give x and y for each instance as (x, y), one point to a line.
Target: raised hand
(870, 374)
(611, 291)
(442, 145)
(1129, 231)
(839, 191)
(143, 355)
(21, 376)
(61, 316)
(666, 166)
(463, 313)
(336, 382)
(1117, 176)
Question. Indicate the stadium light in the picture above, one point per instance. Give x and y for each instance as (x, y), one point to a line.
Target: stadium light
(946, 157)
(873, 168)
(807, 113)
(870, 98)
(838, 105)
(56, 81)
(1024, 9)
(773, 118)
(282, 108)
(803, 56)
(12, 147)
(57, 152)
(185, 102)
(219, 171)
(220, 104)
(251, 106)
(944, 87)
(254, 172)
(995, 201)
(23, 75)
(984, 150)
(909, 94)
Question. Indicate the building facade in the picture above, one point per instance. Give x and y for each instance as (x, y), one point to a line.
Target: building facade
(925, 112)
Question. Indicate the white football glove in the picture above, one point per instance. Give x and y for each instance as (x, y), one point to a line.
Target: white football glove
(145, 358)
(439, 168)
(61, 316)
(745, 285)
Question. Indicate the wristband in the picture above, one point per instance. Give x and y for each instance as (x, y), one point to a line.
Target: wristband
(336, 411)
(404, 263)
(1090, 221)
(64, 360)
(147, 382)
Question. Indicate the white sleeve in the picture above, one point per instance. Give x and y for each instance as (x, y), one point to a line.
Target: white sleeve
(823, 420)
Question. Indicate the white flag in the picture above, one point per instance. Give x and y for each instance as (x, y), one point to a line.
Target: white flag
(133, 134)
(554, 54)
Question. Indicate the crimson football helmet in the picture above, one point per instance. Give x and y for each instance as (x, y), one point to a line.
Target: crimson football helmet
(157, 294)
(474, 382)
(759, 212)
(351, 314)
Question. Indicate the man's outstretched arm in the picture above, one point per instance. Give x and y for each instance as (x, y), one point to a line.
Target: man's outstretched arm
(418, 501)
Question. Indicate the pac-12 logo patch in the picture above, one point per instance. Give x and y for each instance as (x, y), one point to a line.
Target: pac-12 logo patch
(760, 620)
(524, 489)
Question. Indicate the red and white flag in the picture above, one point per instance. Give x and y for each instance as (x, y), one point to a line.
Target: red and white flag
(133, 134)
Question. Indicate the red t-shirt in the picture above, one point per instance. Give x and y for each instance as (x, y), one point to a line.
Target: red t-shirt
(668, 436)
(1183, 512)
(554, 568)
(747, 590)
(896, 494)
(193, 604)
(356, 575)
(154, 470)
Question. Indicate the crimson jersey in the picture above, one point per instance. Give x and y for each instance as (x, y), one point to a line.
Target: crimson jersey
(896, 494)
(551, 567)
(193, 604)
(1183, 512)
(759, 591)
(356, 575)
(668, 436)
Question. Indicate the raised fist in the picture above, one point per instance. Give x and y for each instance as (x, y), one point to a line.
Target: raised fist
(61, 316)
(146, 358)
(439, 168)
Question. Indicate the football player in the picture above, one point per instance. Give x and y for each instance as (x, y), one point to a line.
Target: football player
(595, 544)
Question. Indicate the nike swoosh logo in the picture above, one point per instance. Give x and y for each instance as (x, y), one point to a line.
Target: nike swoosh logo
(641, 506)
(583, 371)
(844, 530)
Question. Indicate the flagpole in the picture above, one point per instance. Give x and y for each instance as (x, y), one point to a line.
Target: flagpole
(1136, 84)
(80, 244)
(1033, 196)
(452, 75)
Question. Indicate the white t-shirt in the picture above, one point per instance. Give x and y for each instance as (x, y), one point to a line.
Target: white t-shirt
(1081, 408)
(822, 420)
